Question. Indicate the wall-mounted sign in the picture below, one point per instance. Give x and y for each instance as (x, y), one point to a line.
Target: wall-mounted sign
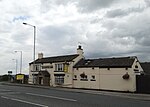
(20, 76)
(66, 67)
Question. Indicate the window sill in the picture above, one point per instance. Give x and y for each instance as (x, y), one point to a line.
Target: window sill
(83, 79)
(58, 71)
(58, 83)
(93, 80)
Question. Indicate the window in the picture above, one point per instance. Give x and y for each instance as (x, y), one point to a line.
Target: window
(37, 67)
(136, 66)
(108, 68)
(59, 80)
(83, 77)
(75, 77)
(126, 68)
(93, 78)
(59, 67)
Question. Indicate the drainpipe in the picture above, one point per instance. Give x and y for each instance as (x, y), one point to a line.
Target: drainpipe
(72, 74)
(99, 78)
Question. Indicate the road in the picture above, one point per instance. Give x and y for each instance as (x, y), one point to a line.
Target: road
(18, 96)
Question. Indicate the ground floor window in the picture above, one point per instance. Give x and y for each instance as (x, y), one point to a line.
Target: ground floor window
(75, 77)
(59, 80)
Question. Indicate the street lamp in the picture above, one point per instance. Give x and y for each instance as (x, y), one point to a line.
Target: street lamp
(20, 61)
(34, 34)
(16, 62)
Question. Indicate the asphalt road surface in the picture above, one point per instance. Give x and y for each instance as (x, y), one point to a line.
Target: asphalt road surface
(18, 96)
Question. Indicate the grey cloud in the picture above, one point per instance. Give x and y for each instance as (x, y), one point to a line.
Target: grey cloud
(90, 5)
(138, 34)
(57, 32)
(46, 5)
(109, 24)
(83, 5)
(63, 2)
(2, 43)
(147, 3)
(56, 37)
(121, 12)
(130, 37)
(116, 13)
(19, 38)
(142, 37)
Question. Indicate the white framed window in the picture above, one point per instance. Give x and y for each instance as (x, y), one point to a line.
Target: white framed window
(59, 80)
(37, 67)
(59, 67)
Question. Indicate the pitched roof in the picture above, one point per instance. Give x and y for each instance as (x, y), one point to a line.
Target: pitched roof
(54, 59)
(146, 67)
(106, 62)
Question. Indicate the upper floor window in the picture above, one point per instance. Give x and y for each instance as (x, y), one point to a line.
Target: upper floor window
(59, 67)
(37, 67)
(136, 66)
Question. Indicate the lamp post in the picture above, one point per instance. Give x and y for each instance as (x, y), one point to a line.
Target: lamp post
(20, 61)
(16, 62)
(34, 35)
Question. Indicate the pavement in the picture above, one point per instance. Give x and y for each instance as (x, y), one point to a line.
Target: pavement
(145, 97)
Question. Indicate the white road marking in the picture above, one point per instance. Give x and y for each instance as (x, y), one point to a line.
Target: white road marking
(14, 99)
(60, 98)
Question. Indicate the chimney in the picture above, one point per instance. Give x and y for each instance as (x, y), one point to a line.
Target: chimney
(80, 50)
(40, 55)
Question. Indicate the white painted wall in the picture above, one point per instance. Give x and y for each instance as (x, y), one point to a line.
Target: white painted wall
(107, 79)
(112, 79)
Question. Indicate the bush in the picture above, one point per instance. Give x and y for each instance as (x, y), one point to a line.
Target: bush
(5, 77)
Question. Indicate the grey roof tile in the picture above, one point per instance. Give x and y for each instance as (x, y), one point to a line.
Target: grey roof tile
(146, 67)
(56, 59)
(106, 62)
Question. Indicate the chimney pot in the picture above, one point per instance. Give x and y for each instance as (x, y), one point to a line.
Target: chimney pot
(40, 55)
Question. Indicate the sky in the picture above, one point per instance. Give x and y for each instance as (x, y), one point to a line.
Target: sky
(104, 28)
